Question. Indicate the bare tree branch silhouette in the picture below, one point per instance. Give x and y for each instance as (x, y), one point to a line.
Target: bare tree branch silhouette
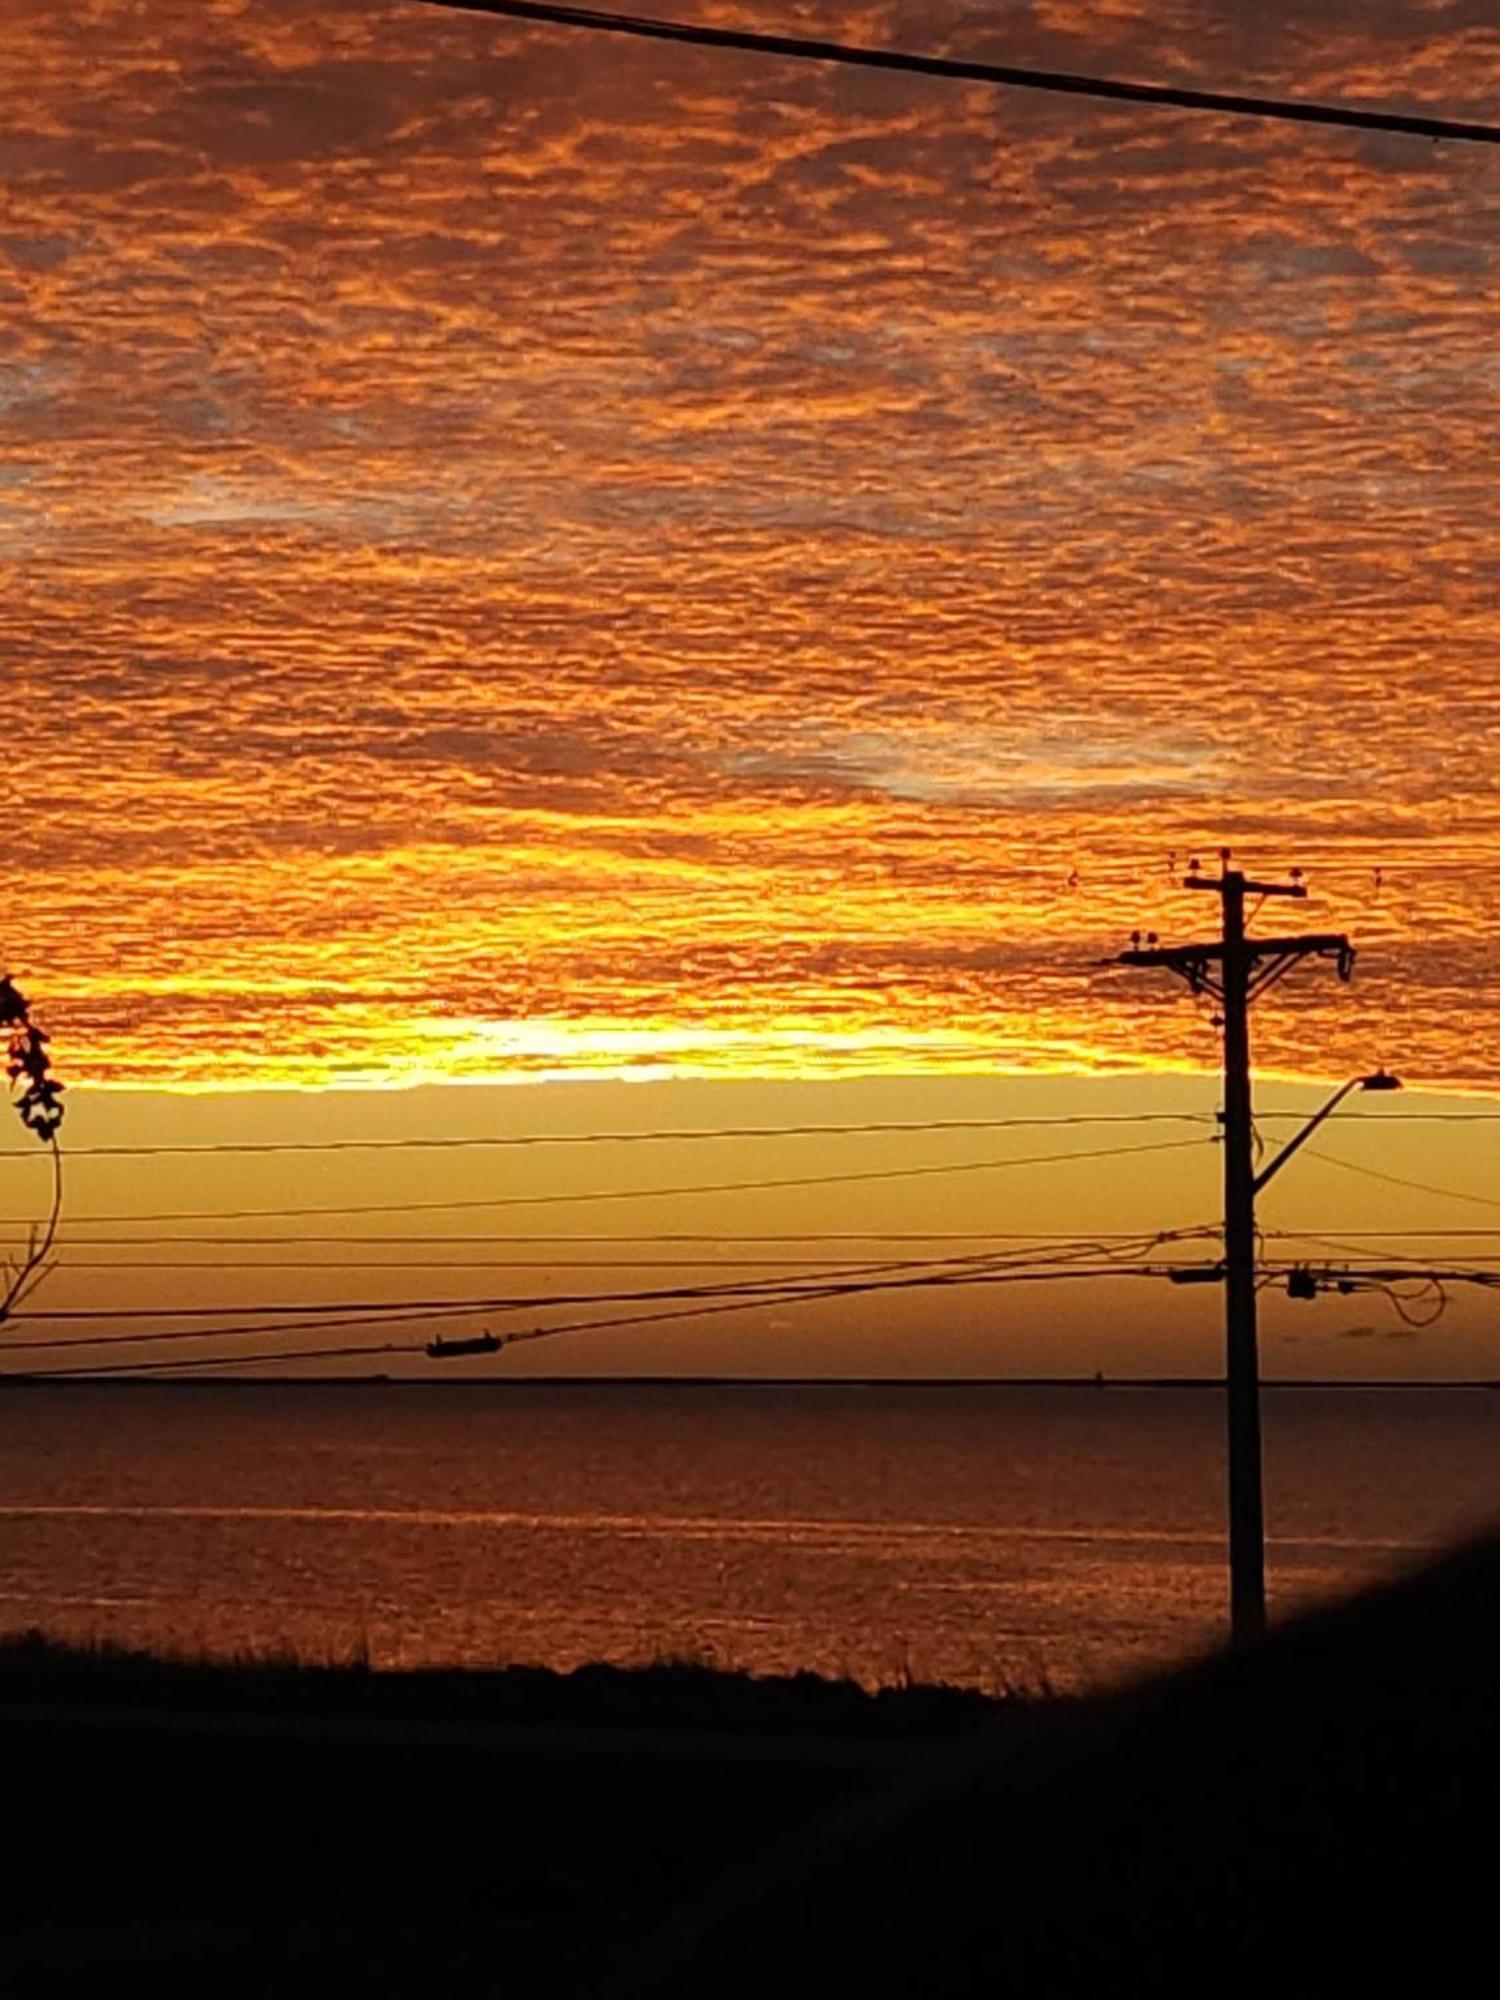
(37, 1096)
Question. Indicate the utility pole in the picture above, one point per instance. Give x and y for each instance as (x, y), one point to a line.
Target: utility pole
(1236, 969)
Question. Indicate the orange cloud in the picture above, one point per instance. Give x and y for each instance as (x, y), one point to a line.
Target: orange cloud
(505, 530)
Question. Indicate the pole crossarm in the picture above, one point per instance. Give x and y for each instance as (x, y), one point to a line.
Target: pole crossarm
(1270, 958)
(1245, 886)
(1265, 959)
(1189, 961)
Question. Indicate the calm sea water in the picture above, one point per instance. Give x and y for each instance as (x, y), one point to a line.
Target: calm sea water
(973, 1535)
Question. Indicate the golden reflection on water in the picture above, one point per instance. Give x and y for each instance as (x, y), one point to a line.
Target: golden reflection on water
(993, 1538)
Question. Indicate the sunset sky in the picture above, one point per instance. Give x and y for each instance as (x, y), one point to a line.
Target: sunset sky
(532, 560)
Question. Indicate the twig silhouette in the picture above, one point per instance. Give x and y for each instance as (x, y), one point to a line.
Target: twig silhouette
(37, 1096)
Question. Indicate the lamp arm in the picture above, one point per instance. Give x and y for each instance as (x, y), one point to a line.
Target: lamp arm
(1295, 1144)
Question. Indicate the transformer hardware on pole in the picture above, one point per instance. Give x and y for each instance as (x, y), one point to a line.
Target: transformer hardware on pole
(479, 1343)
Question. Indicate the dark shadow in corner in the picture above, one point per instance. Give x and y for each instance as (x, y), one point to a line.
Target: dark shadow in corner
(1314, 1814)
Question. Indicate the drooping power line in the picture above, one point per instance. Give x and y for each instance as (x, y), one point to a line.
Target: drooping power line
(1401, 1181)
(386, 1312)
(569, 1196)
(684, 1135)
(1361, 1280)
(517, 1302)
(697, 1308)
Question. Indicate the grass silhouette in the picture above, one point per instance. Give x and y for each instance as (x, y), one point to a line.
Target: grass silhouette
(1308, 1814)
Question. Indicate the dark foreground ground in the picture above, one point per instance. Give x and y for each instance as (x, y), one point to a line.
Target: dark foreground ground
(1316, 1815)
(265, 1827)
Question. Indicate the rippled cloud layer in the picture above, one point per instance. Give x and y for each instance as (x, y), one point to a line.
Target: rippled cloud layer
(524, 553)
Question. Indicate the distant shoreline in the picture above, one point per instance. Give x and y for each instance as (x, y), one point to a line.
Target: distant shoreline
(510, 1384)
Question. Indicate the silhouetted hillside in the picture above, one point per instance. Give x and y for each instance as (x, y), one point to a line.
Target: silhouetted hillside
(1312, 1816)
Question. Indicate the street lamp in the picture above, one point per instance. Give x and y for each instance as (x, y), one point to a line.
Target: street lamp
(1380, 1079)
(1247, 1483)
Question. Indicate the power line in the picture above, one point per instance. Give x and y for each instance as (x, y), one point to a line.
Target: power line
(225, 1360)
(504, 1302)
(1359, 1253)
(686, 1135)
(1039, 1249)
(1398, 1117)
(1368, 1280)
(1008, 1277)
(692, 1311)
(1384, 1235)
(395, 1315)
(1400, 1180)
(516, 1302)
(633, 1237)
(389, 1311)
(294, 1238)
(690, 1135)
(297, 1309)
(743, 1300)
(647, 1194)
(338, 1264)
(799, 48)
(675, 1263)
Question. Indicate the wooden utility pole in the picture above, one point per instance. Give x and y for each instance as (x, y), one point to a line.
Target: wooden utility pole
(1236, 969)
